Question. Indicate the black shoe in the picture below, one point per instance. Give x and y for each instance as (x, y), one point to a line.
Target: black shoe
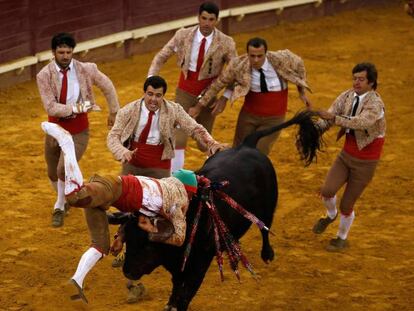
(80, 294)
(57, 218)
(118, 260)
(136, 293)
(322, 224)
(336, 245)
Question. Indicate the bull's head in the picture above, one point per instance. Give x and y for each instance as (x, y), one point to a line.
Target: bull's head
(142, 255)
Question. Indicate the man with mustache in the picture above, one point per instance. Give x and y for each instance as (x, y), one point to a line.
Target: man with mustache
(360, 114)
(65, 87)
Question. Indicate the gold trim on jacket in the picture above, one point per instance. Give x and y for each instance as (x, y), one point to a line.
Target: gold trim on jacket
(369, 121)
(287, 65)
(221, 50)
(88, 75)
(171, 115)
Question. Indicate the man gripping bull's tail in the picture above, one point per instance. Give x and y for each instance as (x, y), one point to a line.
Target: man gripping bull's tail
(308, 139)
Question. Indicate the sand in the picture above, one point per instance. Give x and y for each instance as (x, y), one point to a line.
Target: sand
(375, 273)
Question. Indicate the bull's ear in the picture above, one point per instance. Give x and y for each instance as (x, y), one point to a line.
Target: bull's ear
(118, 218)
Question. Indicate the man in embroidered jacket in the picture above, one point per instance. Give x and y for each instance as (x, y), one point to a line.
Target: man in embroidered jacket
(261, 76)
(201, 52)
(360, 114)
(144, 196)
(65, 87)
(143, 136)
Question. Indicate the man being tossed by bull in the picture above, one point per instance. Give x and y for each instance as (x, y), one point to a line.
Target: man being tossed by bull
(147, 197)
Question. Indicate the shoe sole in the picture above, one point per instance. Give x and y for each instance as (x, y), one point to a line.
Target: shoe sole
(80, 294)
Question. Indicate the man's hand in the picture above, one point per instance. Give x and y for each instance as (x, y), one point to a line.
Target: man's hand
(218, 106)
(127, 156)
(409, 7)
(111, 120)
(82, 107)
(217, 148)
(195, 111)
(116, 246)
(326, 115)
(306, 101)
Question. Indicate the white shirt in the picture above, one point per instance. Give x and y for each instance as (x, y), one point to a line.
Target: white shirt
(195, 47)
(73, 94)
(272, 79)
(154, 133)
(151, 196)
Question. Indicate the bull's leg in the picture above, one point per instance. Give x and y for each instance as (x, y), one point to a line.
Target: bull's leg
(186, 286)
(267, 253)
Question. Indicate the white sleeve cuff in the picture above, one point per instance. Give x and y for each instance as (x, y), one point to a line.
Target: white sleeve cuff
(227, 93)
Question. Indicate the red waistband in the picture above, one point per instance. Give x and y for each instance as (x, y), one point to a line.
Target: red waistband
(369, 152)
(131, 196)
(149, 156)
(192, 85)
(266, 104)
(74, 124)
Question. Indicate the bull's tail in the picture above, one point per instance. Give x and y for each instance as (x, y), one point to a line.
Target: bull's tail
(308, 138)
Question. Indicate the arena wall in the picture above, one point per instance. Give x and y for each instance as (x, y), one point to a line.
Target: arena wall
(26, 26)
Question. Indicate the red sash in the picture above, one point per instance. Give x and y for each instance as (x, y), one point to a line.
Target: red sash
(266, 104)
(149, 156)
(131, 196)
(369, 152)
(192, 85)
(74, 124)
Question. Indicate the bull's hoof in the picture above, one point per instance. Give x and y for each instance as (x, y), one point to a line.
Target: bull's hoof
(268, 254)
(136, 293)
(169, 308)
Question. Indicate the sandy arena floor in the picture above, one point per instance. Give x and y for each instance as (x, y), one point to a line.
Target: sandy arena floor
(375, 273)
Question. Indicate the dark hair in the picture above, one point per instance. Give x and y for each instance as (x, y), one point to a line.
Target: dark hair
(372, 73)
(156, 82)
(210, 8)
(63, 38)
(256, 43)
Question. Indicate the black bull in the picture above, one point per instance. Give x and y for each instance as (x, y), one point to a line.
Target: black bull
(253, 184)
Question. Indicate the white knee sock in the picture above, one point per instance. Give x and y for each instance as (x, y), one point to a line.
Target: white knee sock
(330, 204)
(86, 263)
(177, 162)
(60, 200)
(73, 174)
(345, 224)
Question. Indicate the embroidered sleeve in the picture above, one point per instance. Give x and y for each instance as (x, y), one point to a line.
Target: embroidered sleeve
(226, 78)
(370, 113)
(107, 87)
(162, 56)
(113, 141)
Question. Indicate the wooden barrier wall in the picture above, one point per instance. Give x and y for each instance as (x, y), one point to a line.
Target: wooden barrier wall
(26, 26)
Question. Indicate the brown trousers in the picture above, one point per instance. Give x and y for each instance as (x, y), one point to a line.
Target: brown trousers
(355, 173)
(205, 118)
(95, 197)
(54, 157)
(248, 123)
(158, 173)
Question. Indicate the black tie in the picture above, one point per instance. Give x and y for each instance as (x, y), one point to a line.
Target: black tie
(354, 110)
(263, 85)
